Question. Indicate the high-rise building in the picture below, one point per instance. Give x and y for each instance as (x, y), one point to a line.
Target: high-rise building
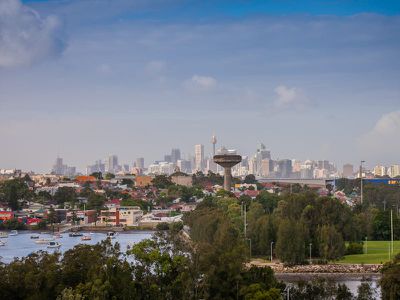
(140, 163)
(285, 168)
(348, 170)
(112, 164)
(167, 158)
(175, 155)
(199, 157)
(394, 171)
(58, 167)
(380, 171)
(265, 167)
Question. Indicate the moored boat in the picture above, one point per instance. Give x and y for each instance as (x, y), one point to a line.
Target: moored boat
(75, 234)
(86, 238)
(53, 245)
(43, 241)
(2, 243)
(13, 233)
(112, 234)
(35, 236)
(3, 235)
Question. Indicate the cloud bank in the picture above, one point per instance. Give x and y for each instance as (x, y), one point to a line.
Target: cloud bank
(26, 37)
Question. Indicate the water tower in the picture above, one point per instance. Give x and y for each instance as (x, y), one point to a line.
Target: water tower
(227, 161)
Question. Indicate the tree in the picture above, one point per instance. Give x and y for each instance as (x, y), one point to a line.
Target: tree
(109, 176)
(331, 244)
(365, 291)
(65, 194)
(390, 281)
(52, 217)
(97, 175)
(13, 190)
(96, 201)
(162, 181)
(250, 179)
(290, 246)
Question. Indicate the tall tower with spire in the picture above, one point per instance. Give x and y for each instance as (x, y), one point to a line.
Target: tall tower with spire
(213, 142)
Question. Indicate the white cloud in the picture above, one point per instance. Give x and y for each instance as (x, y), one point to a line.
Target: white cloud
(287, 97)
(198, 82)
(383, 139)
(25, 37)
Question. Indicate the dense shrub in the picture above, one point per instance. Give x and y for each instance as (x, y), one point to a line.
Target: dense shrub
(354, 248)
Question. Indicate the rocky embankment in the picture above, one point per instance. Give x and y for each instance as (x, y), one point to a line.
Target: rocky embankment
(329, 268)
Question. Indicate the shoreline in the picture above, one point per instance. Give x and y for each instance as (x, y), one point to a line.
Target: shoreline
(296, 277)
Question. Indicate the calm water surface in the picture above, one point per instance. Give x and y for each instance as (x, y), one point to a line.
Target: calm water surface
(22, 245)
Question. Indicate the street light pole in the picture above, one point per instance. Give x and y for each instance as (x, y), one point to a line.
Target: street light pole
(271, 250)
(366, 245)
(391, 230)
(361, 180)
(310, 253)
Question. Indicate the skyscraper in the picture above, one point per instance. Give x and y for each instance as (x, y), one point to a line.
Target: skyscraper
(140, 163)
(112, 164)
(175, 155)
(199, 157)
(348, 170)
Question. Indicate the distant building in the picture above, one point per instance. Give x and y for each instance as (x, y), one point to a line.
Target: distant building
(285, 168)
(122, 216)
(182, 180)
(60, 169)
(348, 171)
(184, 165)
(175, 155)
(140, 163)
(199, 157)
(265, 167)
(379, 171)
(394, 171)
(143, 181)
(112, 164)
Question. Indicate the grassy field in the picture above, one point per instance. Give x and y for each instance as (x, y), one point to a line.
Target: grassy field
(376, 252)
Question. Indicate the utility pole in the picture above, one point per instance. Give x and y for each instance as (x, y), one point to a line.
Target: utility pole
(366, 245)
(271, 249)
(245, 222)
(391, 230)
(310, 253)
(361, 181)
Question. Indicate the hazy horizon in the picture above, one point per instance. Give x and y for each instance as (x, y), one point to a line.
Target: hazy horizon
(87, 79)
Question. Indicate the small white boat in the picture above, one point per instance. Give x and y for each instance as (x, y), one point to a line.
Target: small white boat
(86, 238)
(57, 236)
(13, 233)
(3, 235)
(112, 234)
(35, 236)
(53, 245)
(2, 243)
(44, 241)
(75, 234)
(91, 233)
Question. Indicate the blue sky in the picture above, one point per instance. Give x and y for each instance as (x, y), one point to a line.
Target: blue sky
(85, 79)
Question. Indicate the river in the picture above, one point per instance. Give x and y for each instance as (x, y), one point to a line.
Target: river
(22, 245)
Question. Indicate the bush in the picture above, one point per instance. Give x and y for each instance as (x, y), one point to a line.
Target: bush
(354, 248)
(162, 226)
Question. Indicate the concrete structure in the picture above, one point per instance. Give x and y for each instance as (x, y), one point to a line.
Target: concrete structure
(348, 170)
(122, 216)
(227, 161)
(182, 180)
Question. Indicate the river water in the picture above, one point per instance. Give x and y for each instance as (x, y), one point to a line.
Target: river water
(22, 244)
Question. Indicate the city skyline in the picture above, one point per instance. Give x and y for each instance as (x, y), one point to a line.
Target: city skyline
(255, 163)
(87, 81)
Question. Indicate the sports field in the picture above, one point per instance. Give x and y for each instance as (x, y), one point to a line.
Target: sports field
(375, 252)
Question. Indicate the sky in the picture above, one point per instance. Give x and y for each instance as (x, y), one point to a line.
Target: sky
(309, 79)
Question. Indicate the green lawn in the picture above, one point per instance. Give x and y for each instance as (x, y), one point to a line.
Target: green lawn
(377, 252)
